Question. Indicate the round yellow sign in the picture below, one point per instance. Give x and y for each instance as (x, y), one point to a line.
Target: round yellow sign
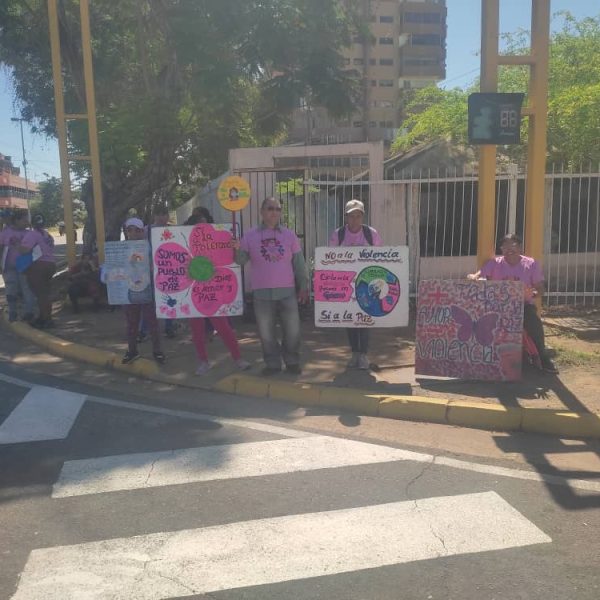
(234, 193)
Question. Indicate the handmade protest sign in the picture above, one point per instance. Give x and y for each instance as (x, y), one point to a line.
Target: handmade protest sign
(470, 329)
(194, 272)
(127, 272)
(358, 286)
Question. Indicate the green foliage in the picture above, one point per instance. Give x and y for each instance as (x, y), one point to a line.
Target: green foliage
(179, 82)
(49, 203)
(573, 97)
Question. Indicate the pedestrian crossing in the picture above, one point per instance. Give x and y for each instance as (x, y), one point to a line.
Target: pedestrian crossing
(303, 543)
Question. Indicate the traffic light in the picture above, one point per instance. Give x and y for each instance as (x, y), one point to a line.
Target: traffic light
(495, 118)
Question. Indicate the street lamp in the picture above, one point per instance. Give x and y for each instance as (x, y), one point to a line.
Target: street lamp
(20, 121)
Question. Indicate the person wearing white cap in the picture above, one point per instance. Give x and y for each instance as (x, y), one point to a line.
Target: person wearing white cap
(135, 230)
(356, 233)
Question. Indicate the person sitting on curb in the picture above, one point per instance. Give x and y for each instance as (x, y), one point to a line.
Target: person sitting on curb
(514, 266)
(356, 233)
(279, 281)
(15, 283)
(134, 230)
(84, 281)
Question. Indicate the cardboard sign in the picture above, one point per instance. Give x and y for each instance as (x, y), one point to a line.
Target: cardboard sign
(127, 272)
(194, 272)
(361, 286)
(470, 329)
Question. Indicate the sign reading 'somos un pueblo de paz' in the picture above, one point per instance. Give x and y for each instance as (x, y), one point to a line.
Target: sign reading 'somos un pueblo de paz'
(194, 272)
(470, 329)
(361, 286)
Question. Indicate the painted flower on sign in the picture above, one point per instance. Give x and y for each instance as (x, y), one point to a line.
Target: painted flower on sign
(200, 269)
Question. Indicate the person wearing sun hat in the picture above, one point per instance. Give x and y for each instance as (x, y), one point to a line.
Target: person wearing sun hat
(135, 230)
(355, 233)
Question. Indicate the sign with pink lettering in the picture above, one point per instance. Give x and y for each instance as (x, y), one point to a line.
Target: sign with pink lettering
(470, 329)
(194, 272)
(358, 286)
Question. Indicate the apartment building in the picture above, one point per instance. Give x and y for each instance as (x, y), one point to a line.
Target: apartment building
(15, 192)
(406, 49)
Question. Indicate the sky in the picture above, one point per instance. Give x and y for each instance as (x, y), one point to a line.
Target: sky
(462, 67)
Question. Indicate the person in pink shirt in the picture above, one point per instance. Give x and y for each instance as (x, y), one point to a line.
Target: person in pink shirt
(356, 233)
(279, 281)
(41, 270)
(514, 266)
(15, 283)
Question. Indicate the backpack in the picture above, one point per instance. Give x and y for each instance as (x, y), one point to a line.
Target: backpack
(341, 233)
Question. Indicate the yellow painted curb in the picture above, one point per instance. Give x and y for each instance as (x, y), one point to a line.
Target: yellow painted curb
(484, 416)
(564, 423)
(414, 408)
(300, 393)
(227, 385)
(359, 401)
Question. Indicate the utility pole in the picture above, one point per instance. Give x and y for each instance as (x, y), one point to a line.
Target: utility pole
(20, 121)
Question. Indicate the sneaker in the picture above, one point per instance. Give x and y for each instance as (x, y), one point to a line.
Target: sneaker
(549, 366)
(268, 371)
(203, 368)
(12, 318)
(159, 357)
(294, 369)
(129, 357)
(242, 365)
(353, 362)
(363, 362)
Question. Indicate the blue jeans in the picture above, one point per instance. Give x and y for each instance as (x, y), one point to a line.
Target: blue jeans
(16, 285)
(266, 312)
(359, 340)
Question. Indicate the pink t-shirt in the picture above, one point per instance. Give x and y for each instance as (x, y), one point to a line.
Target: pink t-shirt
(527, 270)
(355, 239)
(271, 252)
(11, 238)
(41, 238)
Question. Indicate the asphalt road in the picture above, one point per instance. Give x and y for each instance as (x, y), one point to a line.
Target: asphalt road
(105, 494)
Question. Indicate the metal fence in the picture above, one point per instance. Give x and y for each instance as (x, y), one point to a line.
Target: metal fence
(435, 214)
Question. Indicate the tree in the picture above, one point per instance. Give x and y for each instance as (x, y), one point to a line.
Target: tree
(573, 97)
(49, 203)
(179, 82)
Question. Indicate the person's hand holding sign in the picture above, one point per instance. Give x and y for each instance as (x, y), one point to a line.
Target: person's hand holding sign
(302, 296)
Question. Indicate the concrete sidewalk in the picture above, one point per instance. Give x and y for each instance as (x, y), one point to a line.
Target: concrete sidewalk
(568, 404)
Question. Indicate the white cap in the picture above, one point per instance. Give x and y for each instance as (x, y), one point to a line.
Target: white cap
(134, 222)
(353, 205)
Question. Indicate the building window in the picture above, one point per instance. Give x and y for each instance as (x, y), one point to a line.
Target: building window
(372, 124)
(373, 82)
(357, 124)
(358, 62)
(421, 62)
(386, 83)
(386, 62)
(426, 39)
(346, 61)
(424, 17)
(387, 41)
(372, 61)
(386, 19)
(386, 104)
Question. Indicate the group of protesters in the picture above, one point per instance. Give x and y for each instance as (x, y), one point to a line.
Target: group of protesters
(279, 280)
(27, 264)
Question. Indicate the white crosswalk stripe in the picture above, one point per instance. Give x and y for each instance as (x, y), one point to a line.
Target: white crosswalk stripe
(44, 414)
(199, 561)
(253, 551)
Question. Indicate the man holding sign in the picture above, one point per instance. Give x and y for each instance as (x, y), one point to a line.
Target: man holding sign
(356, 233)
(279, 281)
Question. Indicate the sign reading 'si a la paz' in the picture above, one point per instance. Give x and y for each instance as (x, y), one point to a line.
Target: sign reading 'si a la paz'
(495, 118)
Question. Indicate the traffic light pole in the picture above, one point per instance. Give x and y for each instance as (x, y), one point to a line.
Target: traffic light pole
(537, 61)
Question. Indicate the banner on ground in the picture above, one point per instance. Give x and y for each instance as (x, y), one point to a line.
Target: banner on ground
(194, 272)
(361, 286)
(127, 272)
(470, 329)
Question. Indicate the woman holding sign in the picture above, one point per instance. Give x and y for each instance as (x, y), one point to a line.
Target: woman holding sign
(200, 326)
(356, 233)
